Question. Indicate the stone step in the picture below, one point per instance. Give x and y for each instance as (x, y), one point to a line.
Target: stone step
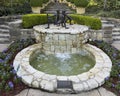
(104, 21)
(4, 31)
(4, 40)
(4, 27)
(117, 39)
(117, 32)
(117, 42)
(116, 29)
(4, 35)
(116, 35)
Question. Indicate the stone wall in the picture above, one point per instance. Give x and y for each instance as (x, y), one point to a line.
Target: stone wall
(60, 43)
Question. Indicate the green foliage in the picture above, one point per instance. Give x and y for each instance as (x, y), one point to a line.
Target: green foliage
(93, 23)
(118, 86)
(116, 14)
(72, 1)
(16, 9)
(109, 5)
(114, 80)
(92, 9)
(115, 71)
(81, 3)
(8, 77)
(31, 20)
(37, 3)
(111, 14)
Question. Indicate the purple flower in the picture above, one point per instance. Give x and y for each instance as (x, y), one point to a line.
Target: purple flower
(15, 78)
(114, 54)
(5, 65)
(113, 85)
(119, 75)
(11, 65)
(1, 60)
(107, 78)
(5, 50)
(14, 71)
(19, 77)
(4, 73)
(10, 84)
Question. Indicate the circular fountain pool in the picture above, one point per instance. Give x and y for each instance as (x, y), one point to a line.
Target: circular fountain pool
(63, 64)
(64, 46)
(91, 79)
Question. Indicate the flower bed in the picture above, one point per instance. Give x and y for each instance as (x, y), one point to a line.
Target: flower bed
(10, 83)
(112, 83)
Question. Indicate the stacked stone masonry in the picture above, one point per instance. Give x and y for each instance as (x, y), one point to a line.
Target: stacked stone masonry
(61, 40)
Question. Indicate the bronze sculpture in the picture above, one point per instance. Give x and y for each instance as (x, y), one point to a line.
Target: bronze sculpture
(59, 19)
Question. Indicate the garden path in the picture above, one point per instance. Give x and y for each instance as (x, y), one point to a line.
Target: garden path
(96, 92)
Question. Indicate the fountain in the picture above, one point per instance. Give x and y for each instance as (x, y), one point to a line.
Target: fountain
(57, 55)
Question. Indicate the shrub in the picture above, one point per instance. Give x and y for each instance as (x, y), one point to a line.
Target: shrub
(37, 3)
(81, 3)
(33, 19)
(72, 1)
(45, 1)
(116, 14)
(92, 9)
(16, 9)
(93, 23)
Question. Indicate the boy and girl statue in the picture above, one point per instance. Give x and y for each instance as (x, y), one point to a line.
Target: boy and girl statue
(59, 19)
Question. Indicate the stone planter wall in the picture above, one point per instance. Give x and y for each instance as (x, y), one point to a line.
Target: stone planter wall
(57, 39)
(36, 9)
(96, 34)
(80, 10)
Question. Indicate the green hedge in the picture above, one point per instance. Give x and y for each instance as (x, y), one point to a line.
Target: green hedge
(37, 3)
(80, 3)
(93, 23)
(31, 20)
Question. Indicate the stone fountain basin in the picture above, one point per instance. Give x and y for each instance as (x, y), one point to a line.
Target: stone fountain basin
(94, 78)
(57, 39)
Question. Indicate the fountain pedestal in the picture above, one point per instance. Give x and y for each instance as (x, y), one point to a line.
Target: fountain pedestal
(57, 39)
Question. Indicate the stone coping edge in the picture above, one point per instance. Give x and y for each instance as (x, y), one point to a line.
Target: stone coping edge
(94, 78)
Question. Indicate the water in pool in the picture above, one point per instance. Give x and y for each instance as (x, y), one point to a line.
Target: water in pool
(64, 64)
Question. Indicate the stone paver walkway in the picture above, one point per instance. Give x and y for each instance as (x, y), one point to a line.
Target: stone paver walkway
(3, 47)
(116, 45)
(96, 92)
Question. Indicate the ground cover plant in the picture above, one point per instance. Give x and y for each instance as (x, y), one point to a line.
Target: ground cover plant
(10, 83)
(112, 82)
